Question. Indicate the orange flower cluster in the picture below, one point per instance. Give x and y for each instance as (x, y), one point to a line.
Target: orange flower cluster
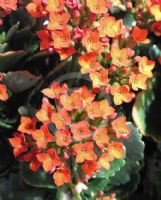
(71, 130)
(104, 45)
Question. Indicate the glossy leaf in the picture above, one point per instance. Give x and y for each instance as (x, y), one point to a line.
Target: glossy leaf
(147, 109)
(133, 162)
(115, 166)
(38, 179)
(19, 81)
(8, 59)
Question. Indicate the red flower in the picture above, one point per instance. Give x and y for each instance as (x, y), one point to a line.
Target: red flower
(27, 125)
(139, 35)
(80, 130)
(101, 138)
(61, 119)
(49, 159)
(74, 101)
(46, 41)
(8, 5)
(46, 111)
(156, 28)
(84, 151)
(63, 138)
(31, 157)
(55, 90)
(19, 144)
(3, 93)
(62, 176)
(42, 136)
(61, 39)
(120, 127)
(36, 9)
(89, 167)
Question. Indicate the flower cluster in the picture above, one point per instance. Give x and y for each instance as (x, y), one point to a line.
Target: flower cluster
(71, 131)
(103, 44)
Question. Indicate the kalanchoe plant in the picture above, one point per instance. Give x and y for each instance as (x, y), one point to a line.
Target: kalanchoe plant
(79, 142)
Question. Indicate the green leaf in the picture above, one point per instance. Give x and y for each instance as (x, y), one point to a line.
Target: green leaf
(147, 109)
(13, 188)
(125, 190)
(62, 194)
(5, 161)
(4, 47)
(12, 31)
(102, 179)
(115, 166)
(129, 20)
(8, 59)
(155, 52)
(2, 37)
(38, 179)
(19, 81)
(32, 45)
(97, 185)
(141, 106)
(134, 157)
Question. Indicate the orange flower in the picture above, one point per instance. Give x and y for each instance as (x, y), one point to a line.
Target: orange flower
(65, 52)
(99, 78)
(88, 63)
(55, 5)
(50, 159)
(138, 81)
(63, 138)
(80, 130)
(116, 150)
(8, 5)
(139, 35)
(62, 176)
(61, 119)
(120, 57)
(156, 11)
(110, 27)
(58, 21)
(19, 144)
(146, 66)
(91, 41)
(104, 161)
(61, 39)
(46, 111)
(4, 96)
(121, 94)
(74, 101)
(120, 127)
(42, 136)
(86, 95)
(101, 138)
(97, 6)
(99, 109)
(27, 125)
(84, 151)
(55, 90)
(35, 8)
(45, 38)
(89, 167)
